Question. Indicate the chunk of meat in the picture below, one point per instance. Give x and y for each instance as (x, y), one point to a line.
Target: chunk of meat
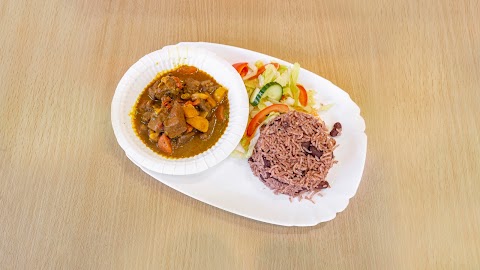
(152, 91)
(204, 106)
(159, 93)
(168, 86)
(208, 86)
(166, 102)
(146, 116)
(207, 83)
(155, 124)
(169, 82)
(143, 128)
(162, 115)
(191, 85)
(175, 123)
(183, 139)
(146, 106)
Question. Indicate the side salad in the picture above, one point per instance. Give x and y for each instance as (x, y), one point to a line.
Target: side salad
(272, 89)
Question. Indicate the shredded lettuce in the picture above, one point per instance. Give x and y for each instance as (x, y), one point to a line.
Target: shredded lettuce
(289, 101)
(270, 74)
(270, 117)
(282, 68)
(293, 82)
(261, 81)
(254, 111)
(311, 97)
(326, 107)
(294, 74)
(252, 71)
(259, 63)
(252, 144)
(237, 154)
(251, 83)
(239, 151)
(244, 142)
(261, 105)
(287, 92)
(266, 101)
(284, 77)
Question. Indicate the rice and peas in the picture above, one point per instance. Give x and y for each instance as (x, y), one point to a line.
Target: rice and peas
(294, 150)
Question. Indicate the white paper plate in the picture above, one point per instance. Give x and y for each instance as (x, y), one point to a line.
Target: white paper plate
(143, 72)
(231, 186)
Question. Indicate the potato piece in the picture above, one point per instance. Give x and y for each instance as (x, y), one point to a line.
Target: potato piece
(204, 114)
(196, 102)
(157, 109)
(189, 110)
(211, 101)
(153, 136)
(219, 94)
(199, 96)
(199, 123)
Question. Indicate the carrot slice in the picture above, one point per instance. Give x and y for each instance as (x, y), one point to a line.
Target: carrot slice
(219, 113)
(187, 69)
(261, 115)
(302, 95)
(165, 144)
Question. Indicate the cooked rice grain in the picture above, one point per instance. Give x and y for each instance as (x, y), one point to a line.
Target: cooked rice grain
(293, 155)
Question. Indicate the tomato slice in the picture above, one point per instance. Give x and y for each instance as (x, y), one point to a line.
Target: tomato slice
(262, 69)
(242, 68)
(302, 95)
(261, 115)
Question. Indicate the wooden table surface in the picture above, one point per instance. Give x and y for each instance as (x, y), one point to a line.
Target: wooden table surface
(70, 199)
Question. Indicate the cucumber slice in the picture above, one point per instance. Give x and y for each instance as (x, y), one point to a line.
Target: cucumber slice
(273, 90)
(254, 95)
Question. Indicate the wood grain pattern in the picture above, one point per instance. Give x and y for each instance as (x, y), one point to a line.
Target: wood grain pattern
(70, 199)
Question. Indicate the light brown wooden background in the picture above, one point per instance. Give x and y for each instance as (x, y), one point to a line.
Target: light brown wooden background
(70, 199)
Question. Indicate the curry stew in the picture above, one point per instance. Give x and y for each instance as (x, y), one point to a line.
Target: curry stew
(181, 113)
